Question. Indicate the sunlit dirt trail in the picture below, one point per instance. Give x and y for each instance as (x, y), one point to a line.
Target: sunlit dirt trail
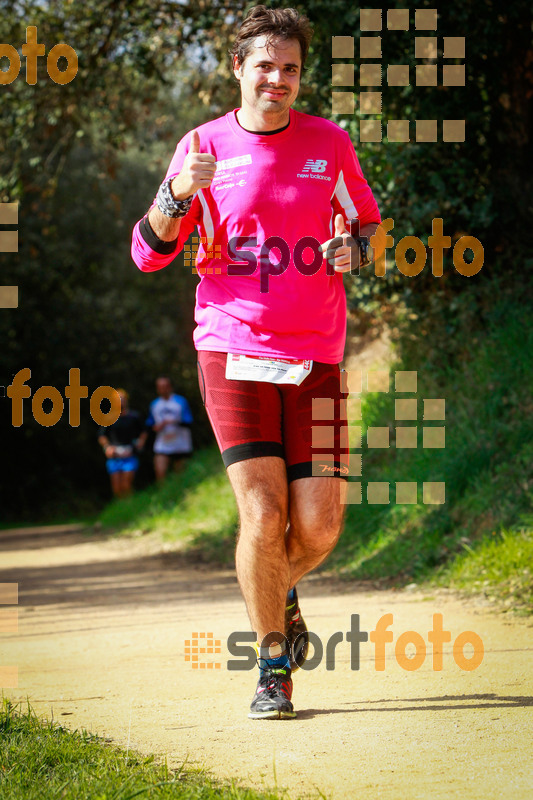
(101, 645)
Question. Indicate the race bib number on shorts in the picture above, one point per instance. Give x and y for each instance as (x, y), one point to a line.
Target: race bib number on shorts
(268, 370)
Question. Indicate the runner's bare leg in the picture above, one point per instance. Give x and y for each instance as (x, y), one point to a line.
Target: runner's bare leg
(116, 483)
(263, 571)
(127, 483)
(161, 462)
(316, 510)
(270, 559)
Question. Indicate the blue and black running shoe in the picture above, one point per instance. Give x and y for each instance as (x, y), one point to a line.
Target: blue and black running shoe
(272, 699)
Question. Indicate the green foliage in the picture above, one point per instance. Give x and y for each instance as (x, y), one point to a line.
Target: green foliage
(499, 566)
(485, 377)
(85, 159)
(481, 187)
(41, 760)
(84, 304)
(195, 508)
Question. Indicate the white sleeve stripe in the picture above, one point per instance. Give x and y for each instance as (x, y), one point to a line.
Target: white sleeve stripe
(343, 196)
(207, 218)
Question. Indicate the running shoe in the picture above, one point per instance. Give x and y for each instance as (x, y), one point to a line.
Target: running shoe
(296, 633)
(272, 698)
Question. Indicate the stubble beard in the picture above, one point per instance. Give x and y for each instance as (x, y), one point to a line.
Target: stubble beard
(277, 107)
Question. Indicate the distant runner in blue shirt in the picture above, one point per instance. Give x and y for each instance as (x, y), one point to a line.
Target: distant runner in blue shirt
(170, 418)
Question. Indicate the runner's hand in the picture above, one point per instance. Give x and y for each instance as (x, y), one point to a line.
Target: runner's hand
(342, 251)
(197, 172)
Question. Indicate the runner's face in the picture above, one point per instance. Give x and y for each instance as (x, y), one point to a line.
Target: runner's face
(270, 79)
(163, 387)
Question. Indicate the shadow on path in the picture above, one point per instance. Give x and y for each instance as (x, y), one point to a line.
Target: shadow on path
(446, 703)
(139, 578)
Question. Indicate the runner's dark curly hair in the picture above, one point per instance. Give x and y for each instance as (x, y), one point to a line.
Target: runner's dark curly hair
(283, 23)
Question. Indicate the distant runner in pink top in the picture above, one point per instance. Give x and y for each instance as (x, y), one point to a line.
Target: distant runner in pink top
(270, 191)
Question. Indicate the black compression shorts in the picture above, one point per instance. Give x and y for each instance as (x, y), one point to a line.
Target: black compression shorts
(305, 425)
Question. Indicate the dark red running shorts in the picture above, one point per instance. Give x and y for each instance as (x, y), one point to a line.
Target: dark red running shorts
(305, 425)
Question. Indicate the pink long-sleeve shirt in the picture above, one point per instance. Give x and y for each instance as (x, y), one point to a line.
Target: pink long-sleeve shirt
(273, 200)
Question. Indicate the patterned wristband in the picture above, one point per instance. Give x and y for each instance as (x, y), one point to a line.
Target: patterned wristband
(167, 203)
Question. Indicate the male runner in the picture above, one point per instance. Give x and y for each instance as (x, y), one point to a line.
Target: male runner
(122, 442)
(265, 185)
(170, 418)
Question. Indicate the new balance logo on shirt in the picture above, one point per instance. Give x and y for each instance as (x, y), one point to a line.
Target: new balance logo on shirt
(312, 169)
(315, 166)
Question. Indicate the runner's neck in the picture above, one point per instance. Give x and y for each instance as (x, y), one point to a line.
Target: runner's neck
(263, 133)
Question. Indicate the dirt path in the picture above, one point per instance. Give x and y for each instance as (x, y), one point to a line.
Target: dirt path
(102, 627)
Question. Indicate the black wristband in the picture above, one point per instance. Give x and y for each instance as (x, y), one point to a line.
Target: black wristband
(364, 244)
(153, 241)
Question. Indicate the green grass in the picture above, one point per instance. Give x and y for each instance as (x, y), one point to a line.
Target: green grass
(195, 507)
(485, 375)
(500, 566)
(40, 760)
(487, 466)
